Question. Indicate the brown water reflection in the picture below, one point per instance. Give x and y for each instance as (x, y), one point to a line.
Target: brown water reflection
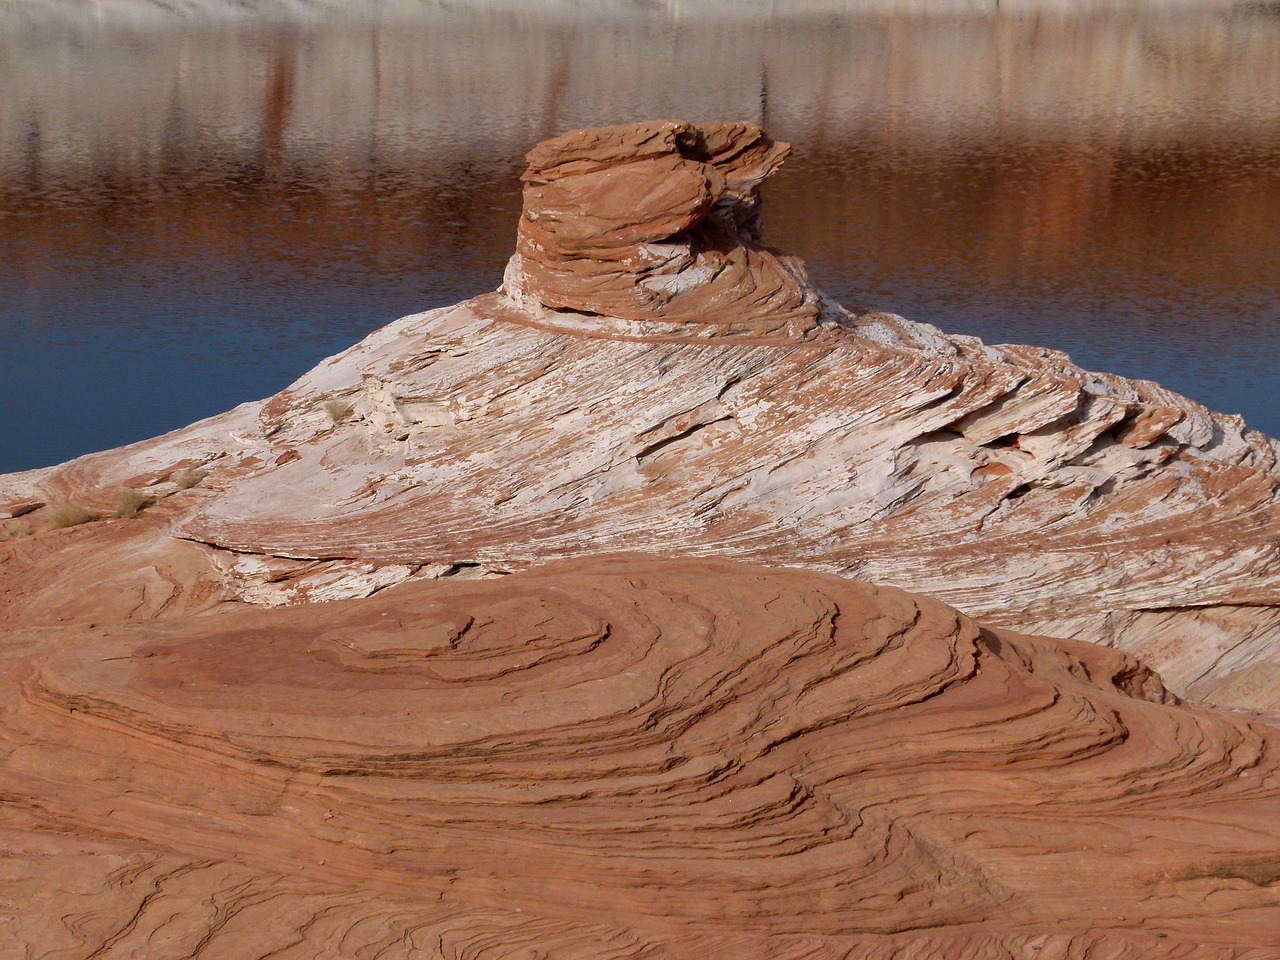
(193, 211)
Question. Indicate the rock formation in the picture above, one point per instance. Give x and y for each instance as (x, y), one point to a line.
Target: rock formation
(262, 711)
(652, 378)
(655, 228)
(621, 756)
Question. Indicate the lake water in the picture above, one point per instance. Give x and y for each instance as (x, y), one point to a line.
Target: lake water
(195, 208)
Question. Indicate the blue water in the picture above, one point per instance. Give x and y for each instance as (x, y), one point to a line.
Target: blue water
(194, 213)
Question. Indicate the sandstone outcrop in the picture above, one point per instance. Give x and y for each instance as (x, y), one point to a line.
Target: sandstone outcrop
(621, 756)
(651, 377)
(255, 706)
(655, 228)
(533, 423)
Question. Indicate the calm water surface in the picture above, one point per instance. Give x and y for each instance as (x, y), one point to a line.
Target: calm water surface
(194, 211)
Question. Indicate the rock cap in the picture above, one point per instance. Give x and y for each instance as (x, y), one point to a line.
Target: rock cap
(654, 229)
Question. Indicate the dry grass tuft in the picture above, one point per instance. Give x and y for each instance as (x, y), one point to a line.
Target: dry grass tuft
(338, 410)
(132, 501)
(18, 531)
(67, 515)
(188, 477)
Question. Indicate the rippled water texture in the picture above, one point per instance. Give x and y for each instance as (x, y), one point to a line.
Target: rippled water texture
(195, 209)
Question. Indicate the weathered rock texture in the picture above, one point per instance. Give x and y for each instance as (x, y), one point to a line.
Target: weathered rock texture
(624, 757)
(509, 429)
(640, 757)
(655, 228)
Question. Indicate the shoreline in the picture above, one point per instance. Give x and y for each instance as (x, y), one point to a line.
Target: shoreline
(141, 12)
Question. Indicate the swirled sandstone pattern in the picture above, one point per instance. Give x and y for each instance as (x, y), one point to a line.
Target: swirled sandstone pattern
(622, 757)
(753, 420)
(655, 228)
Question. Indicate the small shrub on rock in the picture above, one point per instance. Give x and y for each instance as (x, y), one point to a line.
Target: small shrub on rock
(67, 515)
(188, 477)
(132, 502)
(338, 410)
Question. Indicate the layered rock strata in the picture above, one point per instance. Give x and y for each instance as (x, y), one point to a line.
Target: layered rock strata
(622, 756)
(655, 228)
(726, 413)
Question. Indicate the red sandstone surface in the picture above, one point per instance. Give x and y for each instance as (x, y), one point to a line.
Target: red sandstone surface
(625, 757)
(272, 715)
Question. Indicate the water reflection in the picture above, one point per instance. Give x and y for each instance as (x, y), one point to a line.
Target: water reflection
(193, 212)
